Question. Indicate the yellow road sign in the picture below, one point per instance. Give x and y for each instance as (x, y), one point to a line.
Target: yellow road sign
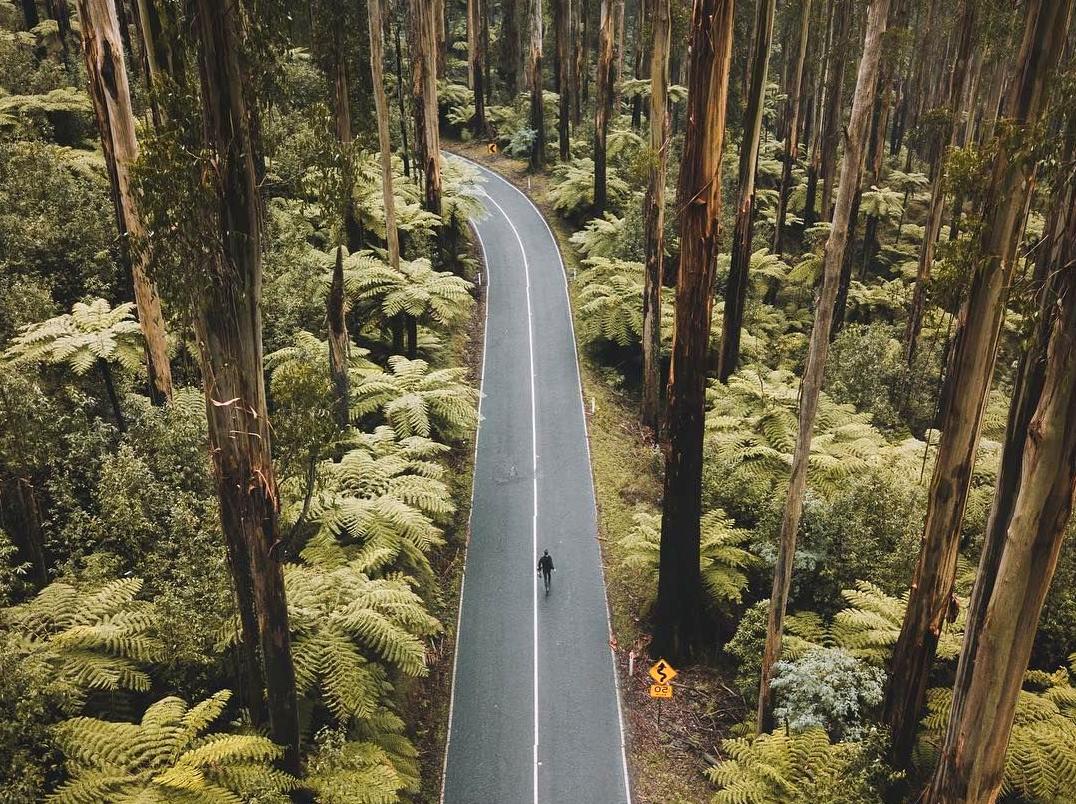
(661, 690)
(662, 672)
(492, 147)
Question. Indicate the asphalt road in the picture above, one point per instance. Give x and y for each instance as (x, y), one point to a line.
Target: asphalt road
(535, 713)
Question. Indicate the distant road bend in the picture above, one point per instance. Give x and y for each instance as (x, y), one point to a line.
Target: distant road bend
(535, 713)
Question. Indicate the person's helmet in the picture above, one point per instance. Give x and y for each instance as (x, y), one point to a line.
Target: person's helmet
(545, 552)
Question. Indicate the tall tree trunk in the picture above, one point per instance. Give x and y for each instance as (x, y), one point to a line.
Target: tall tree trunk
(59, 11)
(971, 367)
(637, 63)
(424, 102)
(338, 341)
(511, 53)
(814, 165)
(814, 371)
(229, 335)
(654, 211)
(103, 51)
(792, 115)
(1056, 257)
(562, 22)
(580, 74)
(742, 238)
(995, 653)
(404, 148)
(381, 105)
(534, 76)
(832, 121)
(677, 618)
(840, 304)
(477, 51)
(603, 108)
(946, 138)
(29, 13)
(440, 33)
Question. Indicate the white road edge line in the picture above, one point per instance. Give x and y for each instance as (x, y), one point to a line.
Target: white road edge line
(470, 513)
(582, 404)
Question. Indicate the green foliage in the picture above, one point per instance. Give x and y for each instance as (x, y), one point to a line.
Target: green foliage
(91, 639)
(803, 631)
(89, 333)
(611, 301)
(167, 757)
(344, 771)
(600, 237)
(826, 688)
(722, 559)
(1040, 762)
(416, 289)
(882, 203)
(571, 189)
(348, 630)
(796, 768)
(416, 401)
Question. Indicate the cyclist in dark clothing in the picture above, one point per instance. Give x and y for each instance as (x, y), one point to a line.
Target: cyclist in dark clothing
(545, 568)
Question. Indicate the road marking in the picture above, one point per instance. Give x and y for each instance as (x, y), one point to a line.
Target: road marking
(470, 514)
(582, 404)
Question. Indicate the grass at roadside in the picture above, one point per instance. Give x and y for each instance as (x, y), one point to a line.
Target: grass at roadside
(668, 748)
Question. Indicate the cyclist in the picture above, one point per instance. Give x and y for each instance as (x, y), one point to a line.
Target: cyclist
(545, 569)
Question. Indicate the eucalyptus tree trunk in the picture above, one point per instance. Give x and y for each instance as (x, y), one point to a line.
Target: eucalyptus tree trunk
(971, 763)
(440, 34)
(792, 116)
(59, 11)
(29, 13)
(654, 211)
(742, 238)
(476, 46)
(562, 23)
(603, 108)
(814, 371)
(229, 335)
(637, 65)
(534, 77)
(580, 31)
(832, 121)
(338, 343)
(997, 650)
(971, 367)
(424, 102)
(946, 139)
(381, 104)
(677, 614)
(511, 49)
(405, 150)
(814, 164)
(103, 51)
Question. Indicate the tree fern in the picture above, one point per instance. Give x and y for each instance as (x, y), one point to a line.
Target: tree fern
(882, 203)
(600, 237)
(416, 401)
(91, 639)
(723, 558)
(571, 190)
(416, 290)
(344, 771)
(90, 332)
(167, 757)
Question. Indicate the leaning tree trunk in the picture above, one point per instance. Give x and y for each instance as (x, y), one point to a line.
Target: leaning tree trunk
(424, 102)
(972, 762)
(742, 238)
(603, 107)
(562, 23)
(654, 212)
(677, 618)
(971, 367)
(103, 50)
(813, 373)
(477, 49)
(229, 335)
(946, 138)
(792, 115)
(534, 76)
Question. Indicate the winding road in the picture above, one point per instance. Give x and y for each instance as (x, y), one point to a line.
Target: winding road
(535, 713)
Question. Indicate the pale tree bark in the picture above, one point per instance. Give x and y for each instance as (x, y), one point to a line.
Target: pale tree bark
(818, 118)
(103, 51)
(229, 335)
(742, 238)
(562, 21)
(792, 116)
(534, 78)
(476, 47)
(677, 620)
(814, 371)
(946, 139)
(603, 108)
(381, 104)
(440, 35)
(971, 368)
(832, 120)
(654, 211)
(424, 101)
(997, 648)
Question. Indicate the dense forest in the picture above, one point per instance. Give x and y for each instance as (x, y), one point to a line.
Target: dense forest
(822, 267)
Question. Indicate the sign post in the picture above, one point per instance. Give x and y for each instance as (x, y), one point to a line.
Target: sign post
(662, 673)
